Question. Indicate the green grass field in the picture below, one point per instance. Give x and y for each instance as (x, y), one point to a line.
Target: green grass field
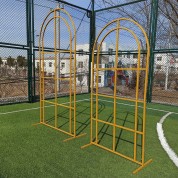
(39, 151)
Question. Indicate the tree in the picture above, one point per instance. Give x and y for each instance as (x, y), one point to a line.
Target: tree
(167, 17)
(21, 61)
(10, 61)
(1, 62)
(169, 9)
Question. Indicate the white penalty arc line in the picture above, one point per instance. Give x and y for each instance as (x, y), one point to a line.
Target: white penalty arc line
(23, 110)
(172, 155)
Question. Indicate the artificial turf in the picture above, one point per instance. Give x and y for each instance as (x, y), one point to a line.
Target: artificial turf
(39, 151)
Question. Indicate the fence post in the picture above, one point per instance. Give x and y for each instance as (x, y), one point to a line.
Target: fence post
(30, 48)
(92, 40)
(33, 55)
(152, 37)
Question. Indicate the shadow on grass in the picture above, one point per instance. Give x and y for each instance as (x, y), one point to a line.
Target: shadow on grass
(104, 130)
(83, 111)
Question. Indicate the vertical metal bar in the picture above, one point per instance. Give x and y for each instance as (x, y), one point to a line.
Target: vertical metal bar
(33, 42)
(92, 40)
(71, 60)
(96, 83)
(115, 84)
(29, 44)
(91, 109)
(43, 80)
(59, 46)
(27, 32)
(144, 105)
(91, 66)
(152, 36)
(97, 75)
(74, 93)
(27, 23)
(136, 102)
(55, 65)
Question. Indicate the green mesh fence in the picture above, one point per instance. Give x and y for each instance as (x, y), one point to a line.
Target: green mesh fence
(82, 23)
(164, 58)
(20, 22)
(165, 80)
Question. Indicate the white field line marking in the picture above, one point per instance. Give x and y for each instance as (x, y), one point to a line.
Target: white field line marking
(172, 155)
(139, 106)
(23, 110)
(85, 100)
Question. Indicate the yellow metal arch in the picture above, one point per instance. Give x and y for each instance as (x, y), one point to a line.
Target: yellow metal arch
(96, 69)
(72, 78)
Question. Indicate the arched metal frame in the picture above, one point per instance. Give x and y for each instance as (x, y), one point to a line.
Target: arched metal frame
(96, 69)
(72, 77)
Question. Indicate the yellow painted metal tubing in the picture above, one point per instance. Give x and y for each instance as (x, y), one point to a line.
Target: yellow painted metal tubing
(72, 51)
(141, 167)
(136, 100)
(119, 126)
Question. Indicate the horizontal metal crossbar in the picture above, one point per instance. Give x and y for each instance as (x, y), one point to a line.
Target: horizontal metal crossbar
(120, 98)
(112, 68)
(58, 104)
(57, 78)
(118, 126)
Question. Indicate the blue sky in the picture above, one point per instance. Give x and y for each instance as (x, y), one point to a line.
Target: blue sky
(81, 3)
(13, 24)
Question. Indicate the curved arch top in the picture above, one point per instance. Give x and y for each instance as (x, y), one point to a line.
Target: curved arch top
(58, 9)
(43, 32)
(43, 26)
(120, 28)
(126, 19)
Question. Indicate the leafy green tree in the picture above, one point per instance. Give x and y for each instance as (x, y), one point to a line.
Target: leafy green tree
(10, 61)
(1, 62)
(21, 61)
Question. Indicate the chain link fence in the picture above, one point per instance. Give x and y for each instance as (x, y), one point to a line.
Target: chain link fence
(20, 22)
(163, 76)
(82, 24)
(127, 49)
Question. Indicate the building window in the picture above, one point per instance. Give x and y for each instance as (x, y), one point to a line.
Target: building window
(120, 55)
(158, 67)
(128, 56)
(135, 56)
(62, 65)
(38, 64)
(80, 65)
(110, 51)
(159, 58)
(80, 52)
(99, 79)
(50, 64)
